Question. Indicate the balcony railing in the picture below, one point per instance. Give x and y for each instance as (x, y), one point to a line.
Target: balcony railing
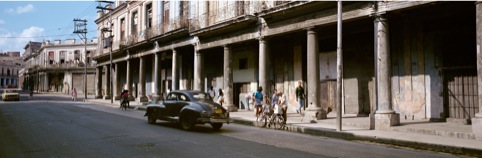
(223, 14)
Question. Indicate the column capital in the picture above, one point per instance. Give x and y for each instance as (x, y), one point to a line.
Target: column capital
(379, 16)
(311, 28)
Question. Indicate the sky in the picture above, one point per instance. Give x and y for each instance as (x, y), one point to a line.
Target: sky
(24, 21)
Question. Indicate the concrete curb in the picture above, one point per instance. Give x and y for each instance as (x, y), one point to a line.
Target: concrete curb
(390, 141)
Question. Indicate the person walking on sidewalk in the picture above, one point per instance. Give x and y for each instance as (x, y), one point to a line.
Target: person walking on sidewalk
(300, 96)
(74, 94)
(282, 103)
(274, 99)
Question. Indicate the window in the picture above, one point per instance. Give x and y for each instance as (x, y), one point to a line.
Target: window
(243, 64)
(122, 28)
(149, 15)
(172, 97)
(166, 16)
(134, 23)
(183, 98)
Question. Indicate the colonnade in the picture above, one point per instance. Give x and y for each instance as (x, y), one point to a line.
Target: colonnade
(385, 115)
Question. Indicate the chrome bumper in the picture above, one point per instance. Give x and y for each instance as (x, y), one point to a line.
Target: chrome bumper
(212, 120)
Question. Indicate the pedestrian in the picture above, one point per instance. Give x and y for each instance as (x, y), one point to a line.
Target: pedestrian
(300, 96)
(31, 94)
(258, 97)
(74, 94)
(274, 99)
(220, 97)
(282, 103)
(211, 92)
(248, 99)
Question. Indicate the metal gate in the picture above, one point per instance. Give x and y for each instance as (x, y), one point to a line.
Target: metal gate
(460, 93)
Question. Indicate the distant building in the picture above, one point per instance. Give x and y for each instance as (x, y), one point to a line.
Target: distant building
(59, 66)
(10, 65)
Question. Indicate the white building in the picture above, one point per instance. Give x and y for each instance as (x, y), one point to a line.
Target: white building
(58, 66)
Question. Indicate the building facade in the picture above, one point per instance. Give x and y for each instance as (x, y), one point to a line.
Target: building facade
(58, 66)
(10, 64)
(398, 64)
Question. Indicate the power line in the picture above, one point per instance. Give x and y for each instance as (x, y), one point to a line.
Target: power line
(43, 36)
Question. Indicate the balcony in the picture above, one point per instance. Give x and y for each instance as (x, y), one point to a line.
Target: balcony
(226, 19)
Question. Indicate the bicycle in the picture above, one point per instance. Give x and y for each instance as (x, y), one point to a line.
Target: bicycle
(123, 104)
(277, 119)
(264, 116)
(270, 117)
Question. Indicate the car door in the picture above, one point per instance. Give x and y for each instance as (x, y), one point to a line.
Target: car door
(170, 103)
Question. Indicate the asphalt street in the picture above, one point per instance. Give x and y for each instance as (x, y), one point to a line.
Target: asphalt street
(54, 126)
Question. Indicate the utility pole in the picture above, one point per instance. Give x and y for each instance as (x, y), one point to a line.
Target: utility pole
(80, 28)
(339, 66)
(109, 42)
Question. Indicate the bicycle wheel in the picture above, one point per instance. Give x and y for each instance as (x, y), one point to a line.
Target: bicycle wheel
(278, 122)
(261, 120)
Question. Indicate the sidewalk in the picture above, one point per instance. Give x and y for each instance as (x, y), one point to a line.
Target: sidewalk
(435, 136)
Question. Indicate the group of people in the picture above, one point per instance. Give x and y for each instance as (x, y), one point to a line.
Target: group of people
(220, 99)
(259, 98)
(277, 99)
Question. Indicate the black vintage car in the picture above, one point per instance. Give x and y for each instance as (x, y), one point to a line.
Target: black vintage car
(188, 108)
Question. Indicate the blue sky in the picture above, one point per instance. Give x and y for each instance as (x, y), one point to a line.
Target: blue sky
(23, 21)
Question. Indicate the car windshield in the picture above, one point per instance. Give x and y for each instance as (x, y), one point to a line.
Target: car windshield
(200, 96)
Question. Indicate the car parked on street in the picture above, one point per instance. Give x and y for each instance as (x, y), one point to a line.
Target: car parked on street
(10, 95)
(188, 108)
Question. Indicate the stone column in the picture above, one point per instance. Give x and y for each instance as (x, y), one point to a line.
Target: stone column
(228, 80)
(117, 86)
(477, 120)
(142, 80)
(129, 80)
(385, 116)
(107, 82)
(263, 70)
(174, 70)
(198, 67)
(314, 111)
(156, 77)
(98, 72)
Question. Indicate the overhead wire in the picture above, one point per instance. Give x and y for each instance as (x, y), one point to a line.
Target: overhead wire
(69, 27)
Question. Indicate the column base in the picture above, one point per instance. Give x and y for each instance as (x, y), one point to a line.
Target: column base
(386, 121)
(477, 127)
(230, 107)
(131, 98)
(313, 114)
(117, 97)
(143, 99)
(106, 97)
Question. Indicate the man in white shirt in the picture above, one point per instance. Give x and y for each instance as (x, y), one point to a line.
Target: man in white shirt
(211, 92)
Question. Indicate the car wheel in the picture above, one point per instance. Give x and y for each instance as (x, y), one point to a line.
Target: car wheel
(151, 119)
(217, 126)
(186, 123)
